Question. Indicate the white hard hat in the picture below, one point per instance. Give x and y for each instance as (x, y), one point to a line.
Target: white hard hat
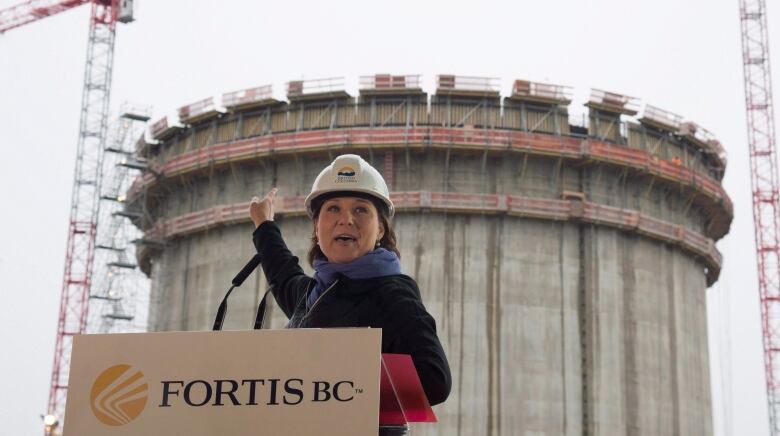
(349, 173)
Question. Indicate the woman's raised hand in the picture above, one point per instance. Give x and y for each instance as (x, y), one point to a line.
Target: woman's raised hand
(262, 210)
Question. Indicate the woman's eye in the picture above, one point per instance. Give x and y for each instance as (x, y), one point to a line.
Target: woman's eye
(361, 210)
(333, 208)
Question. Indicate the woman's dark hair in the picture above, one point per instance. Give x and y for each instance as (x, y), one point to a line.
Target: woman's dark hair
(388, 239)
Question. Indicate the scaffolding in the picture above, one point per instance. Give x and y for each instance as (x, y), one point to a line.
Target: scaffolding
(669, 154)
(119, 295)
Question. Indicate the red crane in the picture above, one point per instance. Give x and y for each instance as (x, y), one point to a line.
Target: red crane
(32, 10)
(80, 249)
(764, 183)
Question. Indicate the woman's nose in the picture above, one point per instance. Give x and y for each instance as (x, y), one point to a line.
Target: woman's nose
(346, 218)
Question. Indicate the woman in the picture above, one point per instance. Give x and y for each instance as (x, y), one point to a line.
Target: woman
(357, 280)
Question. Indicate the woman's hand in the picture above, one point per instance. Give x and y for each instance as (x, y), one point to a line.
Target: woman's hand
(262, 210)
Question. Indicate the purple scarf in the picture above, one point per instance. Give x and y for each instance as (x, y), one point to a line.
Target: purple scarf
(377, 263)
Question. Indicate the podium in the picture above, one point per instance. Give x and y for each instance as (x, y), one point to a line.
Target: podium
(262, 382)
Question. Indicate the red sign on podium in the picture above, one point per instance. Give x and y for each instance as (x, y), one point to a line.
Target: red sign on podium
(401, 396)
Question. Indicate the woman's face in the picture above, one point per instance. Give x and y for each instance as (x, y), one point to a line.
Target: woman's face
(347, 228)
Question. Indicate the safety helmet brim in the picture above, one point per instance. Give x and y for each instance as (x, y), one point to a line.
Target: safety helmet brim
(314, 200)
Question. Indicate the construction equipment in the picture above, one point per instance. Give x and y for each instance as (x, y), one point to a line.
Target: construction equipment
(764, 184)
(118, 285)
(82, 230)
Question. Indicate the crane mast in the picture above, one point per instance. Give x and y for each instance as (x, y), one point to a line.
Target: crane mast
(764, 184)
(82, 229)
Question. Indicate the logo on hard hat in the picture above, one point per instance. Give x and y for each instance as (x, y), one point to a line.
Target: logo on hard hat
(118, 395)
(346, 175)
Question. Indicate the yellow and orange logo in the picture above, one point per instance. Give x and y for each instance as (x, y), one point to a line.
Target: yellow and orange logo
(118, 395)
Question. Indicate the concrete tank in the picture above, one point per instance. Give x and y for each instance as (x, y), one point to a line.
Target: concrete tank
(565, 260)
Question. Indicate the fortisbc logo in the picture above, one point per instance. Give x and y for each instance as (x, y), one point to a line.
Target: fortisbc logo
(345, 175)
(118, 395)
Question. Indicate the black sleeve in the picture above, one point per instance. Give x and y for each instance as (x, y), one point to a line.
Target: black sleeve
(414, 333)
(281, 268)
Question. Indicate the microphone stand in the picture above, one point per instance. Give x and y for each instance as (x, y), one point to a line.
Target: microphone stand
(237, 281)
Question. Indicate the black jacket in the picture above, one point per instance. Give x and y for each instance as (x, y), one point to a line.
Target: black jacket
(391, 303)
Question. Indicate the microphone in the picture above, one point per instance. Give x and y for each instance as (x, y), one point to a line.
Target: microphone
(237, 281)
(244, 273)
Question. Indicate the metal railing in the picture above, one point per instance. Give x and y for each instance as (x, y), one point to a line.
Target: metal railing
(468, 83)
(575, 209)
(247, 96)
(615, 100)
(705, 137)
(662, 117)
(522, 88)
(162, 128)
(387, 81)
(297, 88)
(570, 147)
(159, 126)
(196, 109)
(135, 111)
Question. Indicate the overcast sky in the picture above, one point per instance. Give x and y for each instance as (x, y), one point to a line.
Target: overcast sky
(683, 56)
